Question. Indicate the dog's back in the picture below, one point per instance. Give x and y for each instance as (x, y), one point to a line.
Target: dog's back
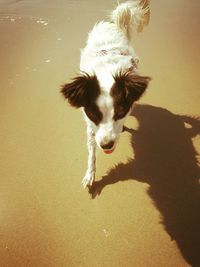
(111, 39)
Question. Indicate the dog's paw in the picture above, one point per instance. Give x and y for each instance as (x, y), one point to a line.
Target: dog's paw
(88, 179)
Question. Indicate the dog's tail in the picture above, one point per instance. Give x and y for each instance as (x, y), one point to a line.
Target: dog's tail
(135, 13)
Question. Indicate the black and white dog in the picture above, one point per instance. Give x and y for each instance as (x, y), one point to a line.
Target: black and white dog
(108, 84)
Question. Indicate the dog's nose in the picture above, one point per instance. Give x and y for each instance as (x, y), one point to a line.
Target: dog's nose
(108, 145)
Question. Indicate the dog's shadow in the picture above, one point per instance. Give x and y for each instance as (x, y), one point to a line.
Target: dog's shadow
(166, 159)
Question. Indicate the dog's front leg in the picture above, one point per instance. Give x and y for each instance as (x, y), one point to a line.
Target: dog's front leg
(90, 173)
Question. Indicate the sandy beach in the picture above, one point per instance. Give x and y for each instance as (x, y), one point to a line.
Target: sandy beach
(144, 208)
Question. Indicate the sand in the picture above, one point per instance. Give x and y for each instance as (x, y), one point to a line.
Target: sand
(144, 207)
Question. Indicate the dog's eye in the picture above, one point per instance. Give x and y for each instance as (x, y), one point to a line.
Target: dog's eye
(94, 114)
(120, 113)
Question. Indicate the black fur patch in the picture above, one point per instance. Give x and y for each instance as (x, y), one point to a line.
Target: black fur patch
(127, 89)
(83, 92)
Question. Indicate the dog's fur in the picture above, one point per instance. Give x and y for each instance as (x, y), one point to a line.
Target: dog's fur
(108, 83)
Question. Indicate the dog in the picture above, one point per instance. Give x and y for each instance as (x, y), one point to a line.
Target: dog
(108, 84)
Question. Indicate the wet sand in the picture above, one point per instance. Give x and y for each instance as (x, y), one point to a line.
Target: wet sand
(144, 207)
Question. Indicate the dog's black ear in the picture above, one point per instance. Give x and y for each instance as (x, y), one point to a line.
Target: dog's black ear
(78, 92)
(132, 84)
(135, 85)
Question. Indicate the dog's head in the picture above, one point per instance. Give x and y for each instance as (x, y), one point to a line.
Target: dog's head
(106, 108)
